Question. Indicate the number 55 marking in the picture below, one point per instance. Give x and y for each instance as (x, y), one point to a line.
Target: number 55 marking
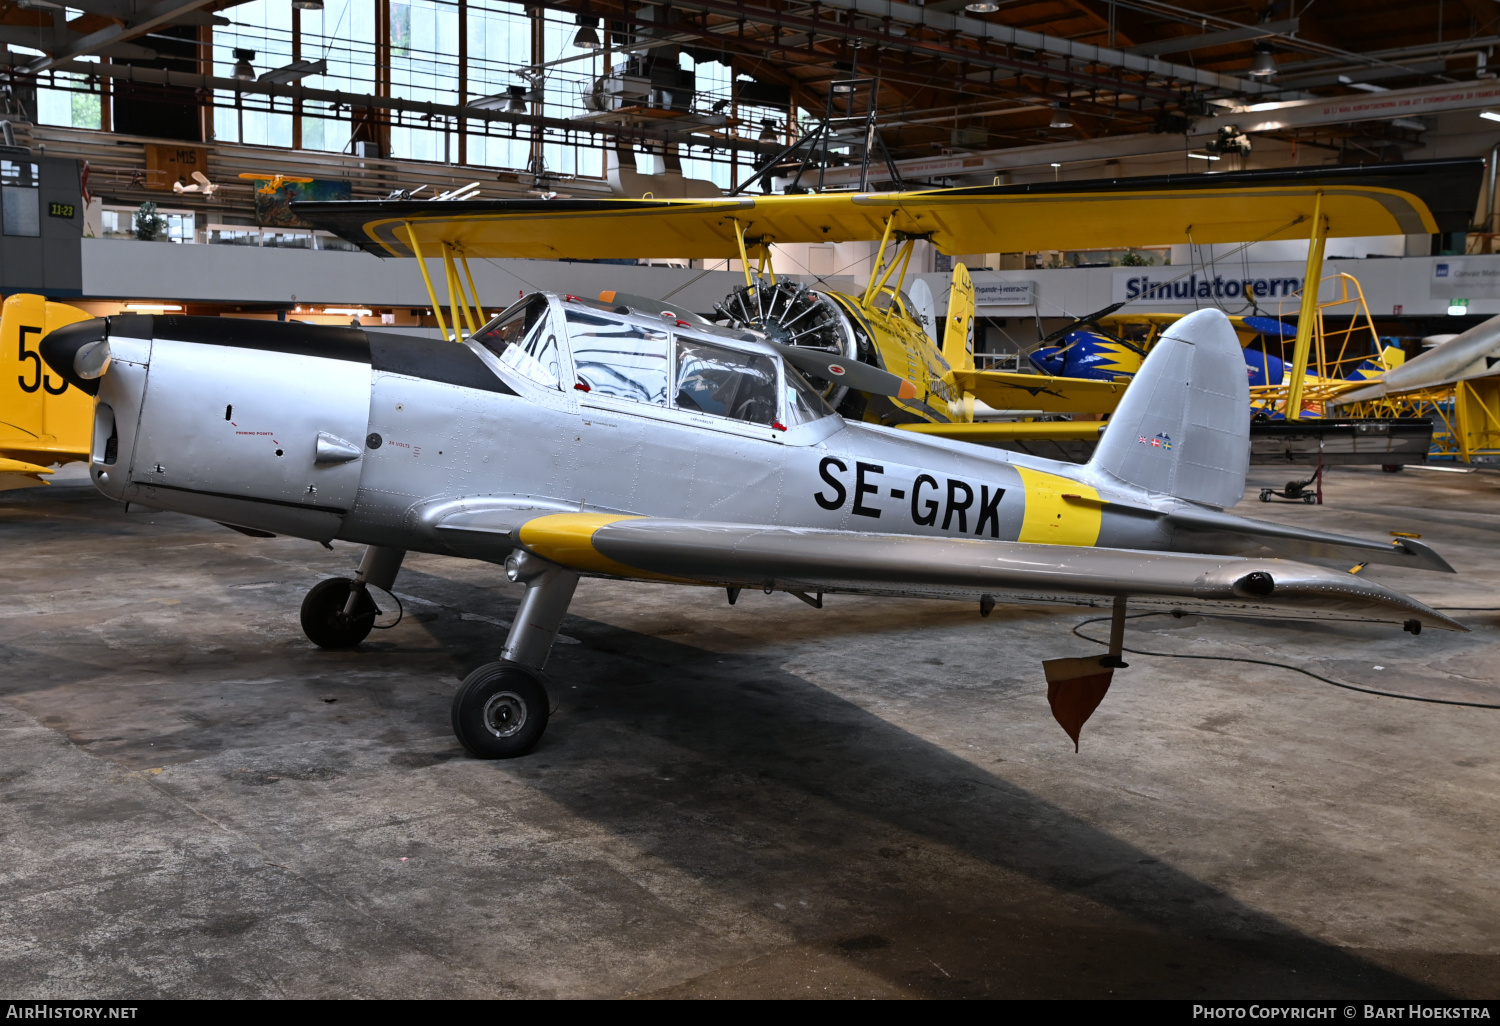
(38, 379)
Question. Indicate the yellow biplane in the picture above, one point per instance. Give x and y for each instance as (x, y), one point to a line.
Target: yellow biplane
(43, 419)
(880, 326)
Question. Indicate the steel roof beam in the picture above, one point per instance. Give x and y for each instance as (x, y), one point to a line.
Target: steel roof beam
(1249, 33)
(890, 14)
(16, 66)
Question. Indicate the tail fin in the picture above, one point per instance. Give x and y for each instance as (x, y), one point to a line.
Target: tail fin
(42, 420)
(1183, 427)
(957, 349)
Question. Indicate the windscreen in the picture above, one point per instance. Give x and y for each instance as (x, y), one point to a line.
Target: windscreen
(725, 382)
(522, 338)
(804, 404)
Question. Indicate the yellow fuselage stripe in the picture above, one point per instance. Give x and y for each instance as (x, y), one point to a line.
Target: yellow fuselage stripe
(1059, 511)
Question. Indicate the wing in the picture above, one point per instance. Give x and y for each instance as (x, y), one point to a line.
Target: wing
(1005, 390)
(1240, 206)
(20, 474)
(806, 560)
(1470, 355)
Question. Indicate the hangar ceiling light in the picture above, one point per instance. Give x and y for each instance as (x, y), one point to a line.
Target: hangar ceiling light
(587, 38)
(1263, 63)
(982, 7)
(243, 69)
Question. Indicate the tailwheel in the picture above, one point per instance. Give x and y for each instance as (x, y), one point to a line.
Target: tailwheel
(323, 618)
(500, 711)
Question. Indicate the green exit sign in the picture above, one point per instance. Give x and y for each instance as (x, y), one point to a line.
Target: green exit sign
(61, 210)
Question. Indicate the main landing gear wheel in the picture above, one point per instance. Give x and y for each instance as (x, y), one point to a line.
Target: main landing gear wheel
(500, 711)
(323, 619)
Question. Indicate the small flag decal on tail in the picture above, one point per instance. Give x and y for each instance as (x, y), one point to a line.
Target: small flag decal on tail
(1161, 441)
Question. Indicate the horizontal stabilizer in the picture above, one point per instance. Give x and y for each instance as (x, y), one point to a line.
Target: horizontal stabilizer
(1203, 530)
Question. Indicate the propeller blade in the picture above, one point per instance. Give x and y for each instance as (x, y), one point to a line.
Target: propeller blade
(859, 376)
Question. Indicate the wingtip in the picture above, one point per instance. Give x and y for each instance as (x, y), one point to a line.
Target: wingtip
(907, 391)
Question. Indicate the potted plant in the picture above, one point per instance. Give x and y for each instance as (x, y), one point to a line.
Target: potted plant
(149, 225)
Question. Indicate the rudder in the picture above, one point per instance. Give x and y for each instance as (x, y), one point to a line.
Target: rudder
(957, 347)
(1183, 427)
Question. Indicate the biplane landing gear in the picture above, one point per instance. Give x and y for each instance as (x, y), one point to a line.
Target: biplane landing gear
(1299, 491)
(501, 708)
(339, 613)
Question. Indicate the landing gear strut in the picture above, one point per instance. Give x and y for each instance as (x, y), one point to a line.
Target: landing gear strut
(501, 708)
(339, 613)
(325, 621)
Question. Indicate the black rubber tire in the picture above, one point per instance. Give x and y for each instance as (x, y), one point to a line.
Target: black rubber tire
(323, 619)
(500, 711)
(1393, 468)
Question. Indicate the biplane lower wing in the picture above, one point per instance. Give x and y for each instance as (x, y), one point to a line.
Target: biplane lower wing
(20, 474)
(1241, 206)
(1006, 390)
(809, 561)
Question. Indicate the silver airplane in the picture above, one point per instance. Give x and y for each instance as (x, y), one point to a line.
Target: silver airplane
(570, 437)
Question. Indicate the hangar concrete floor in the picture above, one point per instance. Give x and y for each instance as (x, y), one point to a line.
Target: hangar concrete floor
(764, 800)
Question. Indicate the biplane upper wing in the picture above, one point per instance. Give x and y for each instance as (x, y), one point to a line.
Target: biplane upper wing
(807, 560)
(1387, 199)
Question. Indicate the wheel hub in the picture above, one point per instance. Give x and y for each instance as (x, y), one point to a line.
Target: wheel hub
(505, 714)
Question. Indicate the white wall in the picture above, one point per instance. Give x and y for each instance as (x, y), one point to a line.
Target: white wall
(1294, 249)
(158, 271)
(1076, 291)
(124, 269)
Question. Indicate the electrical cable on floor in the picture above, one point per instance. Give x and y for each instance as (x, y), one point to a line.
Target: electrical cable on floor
(1265, 662)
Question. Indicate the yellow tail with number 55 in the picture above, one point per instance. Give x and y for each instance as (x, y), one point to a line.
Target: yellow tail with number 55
(43, 419)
